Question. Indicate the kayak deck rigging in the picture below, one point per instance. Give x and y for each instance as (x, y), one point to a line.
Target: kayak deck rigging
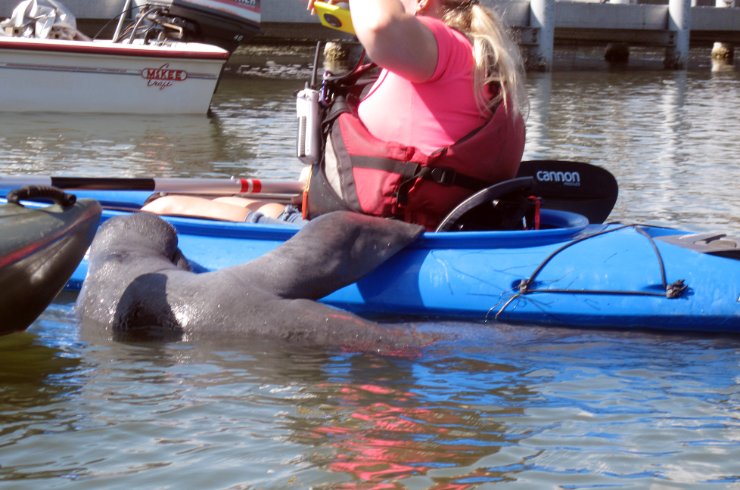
(530, 286)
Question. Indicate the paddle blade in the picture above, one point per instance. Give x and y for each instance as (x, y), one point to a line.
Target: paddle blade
(573, 186)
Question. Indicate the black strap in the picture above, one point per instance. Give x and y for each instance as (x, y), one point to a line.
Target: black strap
(440, 175)
(449, 176)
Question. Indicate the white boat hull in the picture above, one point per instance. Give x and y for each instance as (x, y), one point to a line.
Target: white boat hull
(46, 75)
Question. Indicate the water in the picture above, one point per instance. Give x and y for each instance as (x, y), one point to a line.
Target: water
(494, 405)
(671, 139)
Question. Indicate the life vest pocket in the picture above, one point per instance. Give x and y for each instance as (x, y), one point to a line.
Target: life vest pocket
(377, 191)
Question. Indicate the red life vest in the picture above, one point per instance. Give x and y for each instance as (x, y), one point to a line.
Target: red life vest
(361, 173)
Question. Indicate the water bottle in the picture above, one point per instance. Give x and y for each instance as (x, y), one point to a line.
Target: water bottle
(309, 126)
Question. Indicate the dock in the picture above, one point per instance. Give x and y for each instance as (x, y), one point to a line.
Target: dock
(538, 25)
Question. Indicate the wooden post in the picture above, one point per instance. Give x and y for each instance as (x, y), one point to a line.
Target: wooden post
(543, 18)
(679, 23)
(336, 57)
(723, 54)
(618, 53)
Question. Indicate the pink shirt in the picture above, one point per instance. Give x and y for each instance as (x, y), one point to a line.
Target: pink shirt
(430, 114)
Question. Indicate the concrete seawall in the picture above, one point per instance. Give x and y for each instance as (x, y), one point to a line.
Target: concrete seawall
(539, 25)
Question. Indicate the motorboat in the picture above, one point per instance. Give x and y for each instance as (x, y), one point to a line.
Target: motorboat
(167, 60)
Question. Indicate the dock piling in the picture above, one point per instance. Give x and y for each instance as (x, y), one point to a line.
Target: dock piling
(679, 25)
(542, 17)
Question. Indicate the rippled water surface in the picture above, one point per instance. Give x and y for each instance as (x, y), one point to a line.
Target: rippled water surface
(671, 138)
(492, 405)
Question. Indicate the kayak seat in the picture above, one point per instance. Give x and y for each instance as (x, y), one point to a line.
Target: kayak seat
(502, 206)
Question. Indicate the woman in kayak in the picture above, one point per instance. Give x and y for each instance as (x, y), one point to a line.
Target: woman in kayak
(443, 120)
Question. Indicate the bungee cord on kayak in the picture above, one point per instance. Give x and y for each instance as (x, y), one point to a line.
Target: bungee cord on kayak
(527, 286)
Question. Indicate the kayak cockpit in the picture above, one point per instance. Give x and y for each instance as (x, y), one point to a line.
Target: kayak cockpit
(555, 226)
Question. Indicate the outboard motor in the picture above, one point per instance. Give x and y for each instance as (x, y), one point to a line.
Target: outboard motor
(224, 23)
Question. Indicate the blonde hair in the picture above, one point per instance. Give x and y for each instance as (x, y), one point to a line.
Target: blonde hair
(497, 57)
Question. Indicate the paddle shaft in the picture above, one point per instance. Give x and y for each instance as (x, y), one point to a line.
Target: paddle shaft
(179, 185)
(565, 185)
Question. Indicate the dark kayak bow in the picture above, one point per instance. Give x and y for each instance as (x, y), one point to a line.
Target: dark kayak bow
(39, 250)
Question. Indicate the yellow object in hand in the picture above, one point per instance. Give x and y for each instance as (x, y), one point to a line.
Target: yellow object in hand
(334, 16)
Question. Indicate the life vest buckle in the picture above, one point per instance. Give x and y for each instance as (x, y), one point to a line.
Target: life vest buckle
(443, 175)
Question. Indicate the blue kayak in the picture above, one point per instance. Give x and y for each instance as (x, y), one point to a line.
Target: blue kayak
(568, 273)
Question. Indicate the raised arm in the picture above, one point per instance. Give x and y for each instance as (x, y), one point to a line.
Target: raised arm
(393, 37)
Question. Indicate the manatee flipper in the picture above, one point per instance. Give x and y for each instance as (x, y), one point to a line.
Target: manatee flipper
(330, 252)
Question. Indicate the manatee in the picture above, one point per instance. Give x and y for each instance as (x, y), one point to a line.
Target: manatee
(139, 285)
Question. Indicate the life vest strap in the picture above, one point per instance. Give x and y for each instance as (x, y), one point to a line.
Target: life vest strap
(440, 175)
(449, 176)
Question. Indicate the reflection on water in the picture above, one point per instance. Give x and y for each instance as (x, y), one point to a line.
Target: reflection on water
(38, 380)
(518, 405)
(85, 144)
(243, 136)
(511, 406)
(669, 137)
(410, 426)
